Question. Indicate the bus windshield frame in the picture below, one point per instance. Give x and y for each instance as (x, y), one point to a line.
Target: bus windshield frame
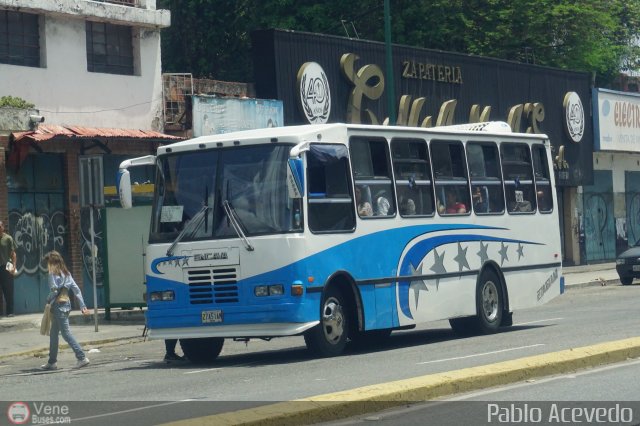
(192, 186)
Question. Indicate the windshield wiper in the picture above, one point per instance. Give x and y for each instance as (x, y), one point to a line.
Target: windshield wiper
(194, 224)
(235, 223)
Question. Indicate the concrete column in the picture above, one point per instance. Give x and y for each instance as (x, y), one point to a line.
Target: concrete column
(571, 225)
(73, 202)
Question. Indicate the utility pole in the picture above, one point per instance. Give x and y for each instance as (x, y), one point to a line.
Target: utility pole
(391, 105)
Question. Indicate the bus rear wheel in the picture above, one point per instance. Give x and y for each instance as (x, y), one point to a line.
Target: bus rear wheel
(489, 303)
(329, 338)
(202, 351)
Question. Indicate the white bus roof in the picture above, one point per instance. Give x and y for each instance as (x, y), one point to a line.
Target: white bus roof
(338, 132)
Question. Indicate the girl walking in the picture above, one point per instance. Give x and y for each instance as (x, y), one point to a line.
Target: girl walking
(60, 284)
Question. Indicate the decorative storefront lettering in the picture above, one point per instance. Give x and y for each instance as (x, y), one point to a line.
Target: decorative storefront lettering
(368, 83)
(434, 72)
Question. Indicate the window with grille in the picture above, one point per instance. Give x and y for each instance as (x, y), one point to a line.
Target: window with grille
(19, 38)
(109, 48)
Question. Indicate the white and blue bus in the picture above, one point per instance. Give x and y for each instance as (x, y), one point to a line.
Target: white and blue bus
(343, 232)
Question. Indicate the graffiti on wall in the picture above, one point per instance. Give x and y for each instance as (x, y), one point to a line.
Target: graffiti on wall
(35, 235)
(633, 218)
(85, 231)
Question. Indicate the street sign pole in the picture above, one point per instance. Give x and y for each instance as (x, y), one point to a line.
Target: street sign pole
(92, 196)
(93, 270)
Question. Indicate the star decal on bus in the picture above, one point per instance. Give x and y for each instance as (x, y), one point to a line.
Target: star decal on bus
(503, 253)
(438, 265)
(483, 253)
(176, 261)
(461, 258)
(418, 284)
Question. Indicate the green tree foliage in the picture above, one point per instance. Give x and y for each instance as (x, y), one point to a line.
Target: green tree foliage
(15, 102)
(212, 37)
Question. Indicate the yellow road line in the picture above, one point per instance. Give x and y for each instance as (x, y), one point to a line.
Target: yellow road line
(372, 398)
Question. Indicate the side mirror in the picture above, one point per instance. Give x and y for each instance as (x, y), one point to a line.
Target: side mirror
(123, 183)
(123, 179)
(295, 178)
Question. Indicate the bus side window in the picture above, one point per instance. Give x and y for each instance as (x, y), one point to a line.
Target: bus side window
(371, 170)
(330, 207)
(451, 182)
(486, 180)
(518, 178)
(543, 182)
(413, 182)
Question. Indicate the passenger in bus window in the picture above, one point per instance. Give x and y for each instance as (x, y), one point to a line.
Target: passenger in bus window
(480, 201)
(363, 194)
(382, 205)
(543, 201)
(407, 207)
(453, 206)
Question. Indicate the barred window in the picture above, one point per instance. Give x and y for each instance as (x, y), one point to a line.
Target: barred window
(109, 48)
(19, 38)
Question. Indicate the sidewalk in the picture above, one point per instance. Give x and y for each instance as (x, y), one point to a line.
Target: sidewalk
(21, 334)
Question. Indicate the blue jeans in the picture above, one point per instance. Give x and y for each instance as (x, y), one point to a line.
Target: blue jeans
(60, 325)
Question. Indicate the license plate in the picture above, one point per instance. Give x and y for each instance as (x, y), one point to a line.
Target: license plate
(636, 267)
(211, 316)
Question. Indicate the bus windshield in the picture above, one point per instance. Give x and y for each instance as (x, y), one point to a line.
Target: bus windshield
(191, 188)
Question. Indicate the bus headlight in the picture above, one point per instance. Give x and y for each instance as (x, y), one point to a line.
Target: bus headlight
(261, 290)
(269, 290)
(162, 296)
(276, 290)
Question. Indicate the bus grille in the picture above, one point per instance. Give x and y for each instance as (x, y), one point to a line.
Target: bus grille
(218, 285)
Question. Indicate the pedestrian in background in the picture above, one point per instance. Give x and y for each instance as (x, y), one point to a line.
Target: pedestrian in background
(60, 285)
(7, 268)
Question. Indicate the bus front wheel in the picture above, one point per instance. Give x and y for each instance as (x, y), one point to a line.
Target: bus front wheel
(202, 351)
(329, 338)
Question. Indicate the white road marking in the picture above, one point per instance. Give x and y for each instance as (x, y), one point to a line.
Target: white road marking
(131, 410)
(203, 371)
(535, 322)
(220, 368)
(482, 354)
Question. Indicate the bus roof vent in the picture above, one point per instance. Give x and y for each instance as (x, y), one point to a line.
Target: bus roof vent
(487, 126)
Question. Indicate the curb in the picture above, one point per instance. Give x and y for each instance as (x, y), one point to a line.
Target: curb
(45, 349)
(372, 398)
(594, 283)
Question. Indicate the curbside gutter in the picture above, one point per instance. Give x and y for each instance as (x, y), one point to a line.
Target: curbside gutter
(45, 349)
(368, 399)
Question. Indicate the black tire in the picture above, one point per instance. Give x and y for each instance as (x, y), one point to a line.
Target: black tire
(626, 280)
(202, 351)
(329, 338)
(489, 303)
(462, 326)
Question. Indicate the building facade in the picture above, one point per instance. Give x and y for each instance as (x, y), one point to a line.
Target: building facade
(324, 78)
(92, 70)
(610, 220)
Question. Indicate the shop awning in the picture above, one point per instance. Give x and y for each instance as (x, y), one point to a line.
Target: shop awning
(53, 132)
(88, 137)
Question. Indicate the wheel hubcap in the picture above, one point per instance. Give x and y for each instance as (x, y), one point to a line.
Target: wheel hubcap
(490, 300)
(333, 320)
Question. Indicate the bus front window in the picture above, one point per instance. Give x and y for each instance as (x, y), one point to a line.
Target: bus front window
(251, 179)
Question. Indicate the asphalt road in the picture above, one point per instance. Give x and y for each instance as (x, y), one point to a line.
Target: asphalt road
(606, 394)
(130, 375)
